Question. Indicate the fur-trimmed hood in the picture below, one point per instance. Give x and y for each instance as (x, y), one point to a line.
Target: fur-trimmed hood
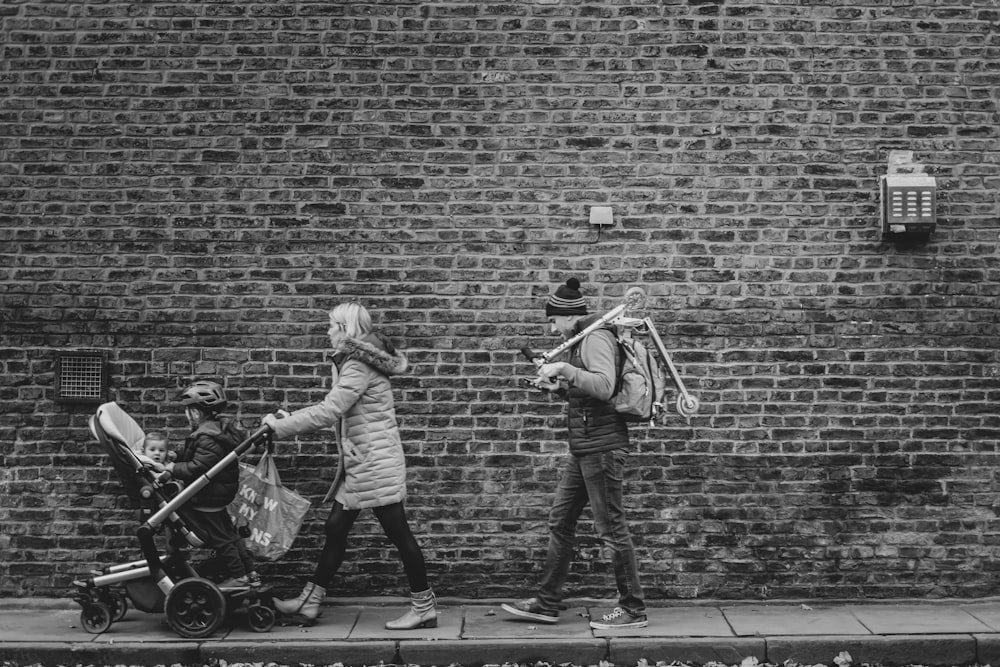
(374, 350)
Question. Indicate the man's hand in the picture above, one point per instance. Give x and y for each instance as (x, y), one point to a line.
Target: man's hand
(545, 385)
(549, 372)
(549, 376)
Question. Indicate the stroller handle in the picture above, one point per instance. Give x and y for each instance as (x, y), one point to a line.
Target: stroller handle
(262, 435)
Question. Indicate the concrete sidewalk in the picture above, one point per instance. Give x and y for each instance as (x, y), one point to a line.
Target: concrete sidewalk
(474, 633)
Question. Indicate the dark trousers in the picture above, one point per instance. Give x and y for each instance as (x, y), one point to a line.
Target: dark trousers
(393, 520)
(596, 479)
(219, 533)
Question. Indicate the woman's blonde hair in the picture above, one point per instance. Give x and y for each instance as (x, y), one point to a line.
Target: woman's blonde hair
(354, 317)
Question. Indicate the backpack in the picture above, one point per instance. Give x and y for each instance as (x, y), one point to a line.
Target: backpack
(641, 383)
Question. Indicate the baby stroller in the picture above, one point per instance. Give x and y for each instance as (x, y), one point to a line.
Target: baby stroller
(194, 606)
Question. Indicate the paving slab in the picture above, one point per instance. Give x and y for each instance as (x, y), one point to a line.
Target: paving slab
(140, 627)
(687, 650)
(335, 624)
(372, 620)
(768, 620)
(937, 650)
(489, 622)
(986, 612)
(42, 626)
(916, 619)
(675, 622)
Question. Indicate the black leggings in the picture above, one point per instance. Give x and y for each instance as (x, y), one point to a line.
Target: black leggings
(393, 520)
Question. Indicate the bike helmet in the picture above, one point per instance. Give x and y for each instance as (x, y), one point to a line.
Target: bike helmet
(206, 395)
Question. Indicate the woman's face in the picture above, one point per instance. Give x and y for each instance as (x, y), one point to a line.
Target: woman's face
(336, 332)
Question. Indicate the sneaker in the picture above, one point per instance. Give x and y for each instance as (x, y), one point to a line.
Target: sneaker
(253, 580)
(530, 609)
(234, 582)
(619, 618)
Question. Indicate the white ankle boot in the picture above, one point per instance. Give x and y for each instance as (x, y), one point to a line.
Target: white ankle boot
(422, 613)
(306, 606)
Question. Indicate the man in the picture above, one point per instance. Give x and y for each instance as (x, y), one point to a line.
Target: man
(593, 470)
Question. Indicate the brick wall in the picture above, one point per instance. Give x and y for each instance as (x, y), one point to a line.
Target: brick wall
(187, 186)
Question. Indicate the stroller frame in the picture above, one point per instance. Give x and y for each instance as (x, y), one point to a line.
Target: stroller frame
(195, 607)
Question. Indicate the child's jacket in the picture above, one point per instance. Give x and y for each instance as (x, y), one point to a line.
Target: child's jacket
(203, 448)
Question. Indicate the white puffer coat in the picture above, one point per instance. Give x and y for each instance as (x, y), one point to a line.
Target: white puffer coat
(372, 470)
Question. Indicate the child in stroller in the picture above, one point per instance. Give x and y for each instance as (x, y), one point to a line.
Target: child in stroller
(211, 438)
(171, 497)
(156, 448)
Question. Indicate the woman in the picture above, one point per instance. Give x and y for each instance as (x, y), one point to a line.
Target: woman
(372, 470)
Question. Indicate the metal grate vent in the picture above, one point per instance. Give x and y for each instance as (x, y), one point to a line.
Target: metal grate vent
(81, 377)
(911, 205)
(908, 204)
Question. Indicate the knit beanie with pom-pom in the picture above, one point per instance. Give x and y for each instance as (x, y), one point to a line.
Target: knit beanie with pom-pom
(567, 300)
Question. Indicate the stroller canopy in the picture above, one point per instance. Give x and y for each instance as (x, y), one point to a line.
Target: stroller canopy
(122, 439)
(117, 424)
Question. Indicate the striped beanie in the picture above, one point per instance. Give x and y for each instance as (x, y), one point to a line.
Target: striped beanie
(567, 300)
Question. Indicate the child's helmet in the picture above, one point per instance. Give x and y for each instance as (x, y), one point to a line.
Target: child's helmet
(206, 395)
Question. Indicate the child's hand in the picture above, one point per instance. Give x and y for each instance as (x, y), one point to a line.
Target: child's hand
(150, 463)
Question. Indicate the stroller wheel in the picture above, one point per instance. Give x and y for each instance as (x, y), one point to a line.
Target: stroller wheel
(195, 608)
(95, 617)
(261, 618)
(119, 606)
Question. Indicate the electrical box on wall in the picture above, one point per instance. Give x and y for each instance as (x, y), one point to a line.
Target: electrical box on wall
(909, 205)
(602, 215)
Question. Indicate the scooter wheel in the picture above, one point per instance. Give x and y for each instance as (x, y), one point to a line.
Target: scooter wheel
(96, 618)
(260, 618)
(687, 406)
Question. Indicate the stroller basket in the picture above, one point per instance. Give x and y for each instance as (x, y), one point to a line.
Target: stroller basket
(195, 607)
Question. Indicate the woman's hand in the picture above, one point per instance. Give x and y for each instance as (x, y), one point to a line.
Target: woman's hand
(271, 419)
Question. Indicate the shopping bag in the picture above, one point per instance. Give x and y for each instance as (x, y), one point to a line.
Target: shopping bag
(272, 513)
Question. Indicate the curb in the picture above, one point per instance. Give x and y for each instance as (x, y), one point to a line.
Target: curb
(479, 652)
(876, 650)
(350, 654)
(692, 650)
(893, 650)
(125, 653)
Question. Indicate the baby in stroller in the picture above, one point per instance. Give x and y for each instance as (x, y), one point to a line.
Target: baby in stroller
(187, 499)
